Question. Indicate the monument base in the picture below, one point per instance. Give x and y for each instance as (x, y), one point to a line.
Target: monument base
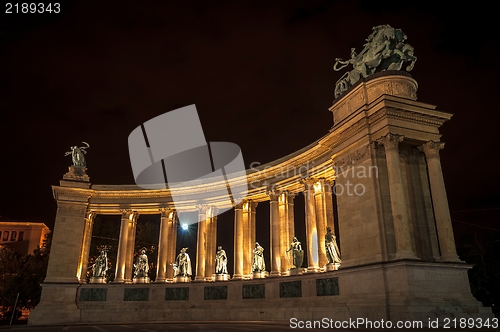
(392, 291)
(97, 280)
(182, 279)
(260, 275)
(141, 280)
(221, 277)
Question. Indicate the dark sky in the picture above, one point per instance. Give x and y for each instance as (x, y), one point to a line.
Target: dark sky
(259, 72)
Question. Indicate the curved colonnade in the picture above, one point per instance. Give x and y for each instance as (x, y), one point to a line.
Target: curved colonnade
(397, 243)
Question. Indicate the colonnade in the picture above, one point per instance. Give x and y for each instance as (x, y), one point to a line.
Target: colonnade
(319, 215)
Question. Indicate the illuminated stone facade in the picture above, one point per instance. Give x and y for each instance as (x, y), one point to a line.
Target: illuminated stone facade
(397, 244)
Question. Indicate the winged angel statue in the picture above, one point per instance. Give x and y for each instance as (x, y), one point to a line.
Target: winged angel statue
(77, 154)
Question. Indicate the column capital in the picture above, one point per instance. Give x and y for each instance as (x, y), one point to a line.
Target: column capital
(252, 205)
(308, 183)
(273, 194)
(390, 141)
(167, 212)
(203, 208)
(248, 205)
(129, 214)
(212, 212)
(90, 216)
(323, 185)
(431, 148)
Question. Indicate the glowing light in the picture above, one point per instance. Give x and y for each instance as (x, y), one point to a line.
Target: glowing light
(185, 227)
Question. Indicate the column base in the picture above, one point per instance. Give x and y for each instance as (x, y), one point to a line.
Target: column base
(199, 279)
(450, 258)
(182, 279)
(406, 255)
(313, 269)
(274, 274)
(237, 277)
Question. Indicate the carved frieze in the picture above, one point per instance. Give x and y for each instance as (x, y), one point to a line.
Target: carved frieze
(351, 158)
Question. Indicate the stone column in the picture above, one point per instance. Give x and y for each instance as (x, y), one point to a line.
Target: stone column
(172, 246)
(404, 248)
(164, 247)
(246, 240)
(127, 225)
(201, 244)
(238, 242)
(129, 263)
(249, 240)
(286, 228)
(440, 202)
(275, 233)
(311, 226)
(324, 216)
(291, 216)
(211, 242)
(87, 238)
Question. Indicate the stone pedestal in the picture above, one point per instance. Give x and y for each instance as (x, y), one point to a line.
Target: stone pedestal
(77, 173)
(294, 272)
(260, 275)
(182, 279)
(331, 267)
(97, 280)
(141, 280)
(221, 277)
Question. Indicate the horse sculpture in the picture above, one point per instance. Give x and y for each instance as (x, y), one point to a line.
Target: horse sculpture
(385, 49)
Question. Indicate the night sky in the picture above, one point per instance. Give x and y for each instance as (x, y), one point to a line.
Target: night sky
(259, 72)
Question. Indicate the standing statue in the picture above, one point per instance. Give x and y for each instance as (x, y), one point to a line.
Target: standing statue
(258, 264)
(77, 155)
(297, 253)
(141, 265)
(385, 49)
(182, 266)
(332, 250)
(220, 261)
(100, 265)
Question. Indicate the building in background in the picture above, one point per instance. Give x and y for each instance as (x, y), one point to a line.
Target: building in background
(22, 236)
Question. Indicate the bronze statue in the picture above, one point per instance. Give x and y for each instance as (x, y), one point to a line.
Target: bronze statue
(297, 253)
(258, 264)
(182, 266)
(100, 265)
(332, 250)
(220, 261)
(385, 49)
(141, 266)
(77, 155)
